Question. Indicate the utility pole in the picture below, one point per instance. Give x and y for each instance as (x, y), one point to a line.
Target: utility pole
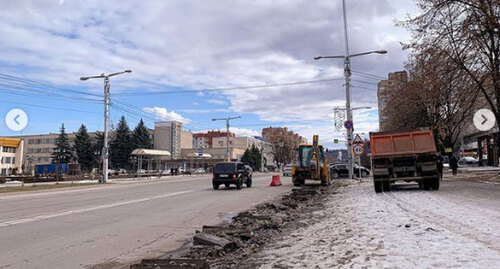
(227, 134)
(105, 148)
(347, 74)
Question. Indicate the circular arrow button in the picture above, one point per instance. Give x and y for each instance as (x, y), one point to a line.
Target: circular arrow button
(16, 119)
(484, 119)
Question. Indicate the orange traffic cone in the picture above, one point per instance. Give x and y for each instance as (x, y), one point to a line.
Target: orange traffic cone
(276, 181)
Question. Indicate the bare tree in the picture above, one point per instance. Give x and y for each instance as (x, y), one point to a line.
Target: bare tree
(467, 32)
(439, 96)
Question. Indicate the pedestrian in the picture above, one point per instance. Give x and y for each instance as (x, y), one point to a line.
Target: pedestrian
(454, 164)
(439, 163)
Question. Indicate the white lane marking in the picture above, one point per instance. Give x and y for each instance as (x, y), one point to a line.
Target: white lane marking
(82, 210)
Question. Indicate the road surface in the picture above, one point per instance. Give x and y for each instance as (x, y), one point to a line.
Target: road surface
(455, 227)
(113, 225)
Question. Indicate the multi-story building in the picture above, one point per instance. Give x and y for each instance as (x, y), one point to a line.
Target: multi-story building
(169, 135)
(38, 148)
(244, 143)
(276, 133)
(11, 152)
(205, 140)
(384, 89)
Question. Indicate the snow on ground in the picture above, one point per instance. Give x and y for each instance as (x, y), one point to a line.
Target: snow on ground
(456, 227)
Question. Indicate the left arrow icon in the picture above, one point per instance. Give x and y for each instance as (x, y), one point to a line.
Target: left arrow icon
(16, 120)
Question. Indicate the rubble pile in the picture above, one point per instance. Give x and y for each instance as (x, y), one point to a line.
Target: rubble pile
(226, 246)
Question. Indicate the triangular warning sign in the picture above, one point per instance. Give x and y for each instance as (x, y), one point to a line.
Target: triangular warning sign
(357, 140)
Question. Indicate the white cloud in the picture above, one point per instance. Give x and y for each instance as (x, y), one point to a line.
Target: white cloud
(208, 44)
(162, 114)
(216, 101)
(243, 131)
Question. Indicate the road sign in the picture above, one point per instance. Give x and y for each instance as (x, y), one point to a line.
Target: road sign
(358, 150)
(358, 140)
(348, 124)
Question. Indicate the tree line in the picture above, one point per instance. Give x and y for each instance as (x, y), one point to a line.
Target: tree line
(453, 68)
(87, 148)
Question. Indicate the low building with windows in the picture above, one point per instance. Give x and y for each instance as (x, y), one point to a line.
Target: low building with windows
(11, 156)
(38, 148)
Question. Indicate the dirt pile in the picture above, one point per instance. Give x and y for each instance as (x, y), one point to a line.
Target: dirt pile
(252, 229)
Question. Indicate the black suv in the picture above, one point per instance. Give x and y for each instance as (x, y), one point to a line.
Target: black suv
(228, 173)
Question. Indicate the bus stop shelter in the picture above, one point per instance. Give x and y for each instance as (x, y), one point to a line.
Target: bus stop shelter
(150, 155)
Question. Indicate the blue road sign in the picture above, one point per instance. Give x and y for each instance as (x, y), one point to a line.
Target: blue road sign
(348, 124)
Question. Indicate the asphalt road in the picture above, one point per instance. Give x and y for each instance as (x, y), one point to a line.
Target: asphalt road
(113, 225)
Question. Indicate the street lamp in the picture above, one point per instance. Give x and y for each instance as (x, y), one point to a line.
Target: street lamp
(105, 152)
(227, 133)
(347, 74)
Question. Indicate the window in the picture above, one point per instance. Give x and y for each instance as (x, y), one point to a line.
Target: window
(7, 160)
(30, 150)
(13, 160)
(31, 141)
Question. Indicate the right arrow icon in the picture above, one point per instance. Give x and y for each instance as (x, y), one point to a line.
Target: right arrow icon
(484, 119)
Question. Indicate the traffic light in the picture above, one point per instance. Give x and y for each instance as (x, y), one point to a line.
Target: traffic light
(336, 141)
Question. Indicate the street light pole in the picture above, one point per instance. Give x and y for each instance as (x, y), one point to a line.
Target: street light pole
(227, 133)
(105, 148)
(347, 74)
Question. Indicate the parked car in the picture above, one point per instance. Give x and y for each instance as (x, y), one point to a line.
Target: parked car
(467, 160)
(199, 170)
(287, 170)
(339, 170)
(231, 173)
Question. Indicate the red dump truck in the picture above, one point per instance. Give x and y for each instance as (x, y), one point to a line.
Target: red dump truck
(409, 156)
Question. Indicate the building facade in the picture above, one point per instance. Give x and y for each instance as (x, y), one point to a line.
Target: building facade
(384, 89)
(38, 148)
(11, 156)
(169, 135)
(205, 140)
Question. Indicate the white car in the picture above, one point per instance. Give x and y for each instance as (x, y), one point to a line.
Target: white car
(287, 170)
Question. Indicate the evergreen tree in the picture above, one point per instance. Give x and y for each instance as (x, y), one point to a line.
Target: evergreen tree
(121, 145)
(62, 152)
(141, 137)
(256, 155)
(84, 149)
(251, 157)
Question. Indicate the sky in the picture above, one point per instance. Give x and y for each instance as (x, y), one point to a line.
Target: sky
(193, 61)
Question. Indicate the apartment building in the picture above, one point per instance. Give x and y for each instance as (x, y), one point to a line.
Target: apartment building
(205, 140)
(384, 89)
(169, 135)
(11, 152)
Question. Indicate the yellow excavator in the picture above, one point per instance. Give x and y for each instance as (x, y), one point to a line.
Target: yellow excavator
(311, 164)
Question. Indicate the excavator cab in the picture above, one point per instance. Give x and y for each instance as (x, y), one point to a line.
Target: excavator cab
(311, 164)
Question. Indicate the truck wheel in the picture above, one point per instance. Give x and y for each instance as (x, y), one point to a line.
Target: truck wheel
(364, 174)
(335, 175)
(238, 184)
(249, 182)
(378, 186)
(297, 183)
(426, 184)
(421, 185)
(386, 186)
(215, 185)
(435, 184)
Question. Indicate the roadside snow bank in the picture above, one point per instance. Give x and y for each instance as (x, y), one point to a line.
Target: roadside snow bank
(401, 229)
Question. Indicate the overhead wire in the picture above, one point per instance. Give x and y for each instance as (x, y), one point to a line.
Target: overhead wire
(228, 88)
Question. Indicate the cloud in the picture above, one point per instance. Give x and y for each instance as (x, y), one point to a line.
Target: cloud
(216, 101)
(243, 131)
(197, 45)
(162, 114)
